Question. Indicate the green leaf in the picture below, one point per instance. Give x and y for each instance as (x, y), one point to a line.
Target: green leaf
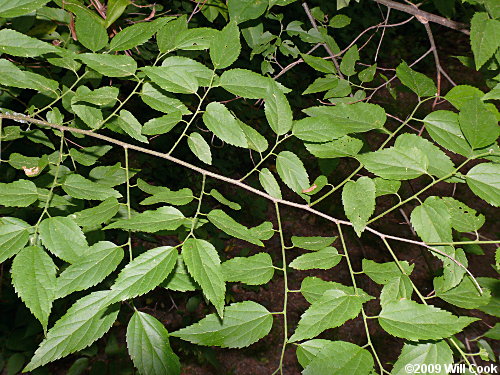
(484, 181)
(14, 235)
(228, 225)
(115, 9)
(292, 171)
(339, 21)
(348, 63)
(368, 74)
(494, 94)
(385, 187)
(322, 259)
(16, 8)
(441, 164)
(397, 288)
(79, 187)
(145, 272)
(221, 199)
(344, 146)
(12, 76)
(198, 38)
(86, 321)
(434, 355)
(190, 67)
(463, 218)
(149, 348)
(396, 164)
(444, 128)
(172, 80)
(111, 175)
(384, 273)
(27, 163)
(162, 125)
(34, 279)
(203, 263)
(100, 97)
(20, 193)
(269, 183)
(452, 272)
(247, 84)
(163, 194)
(134, 35)
(110, 65)
(225, 47)
(333, 309)
(278, 111)
(417, 82)
(341, 91)
(244, 10)
(479, 125)
(88, 155)
(464, 295)
(313, 288)
(308, 350)
(351, 118)
(459, 95)
(243, 324)
(168, 34)
(432, 221)
(322, 84)
(484, 39)
(493, 307)
(263, 231)
(254, 270)
(317, 129)
(222, 123)
(358, 199)
(349, 359)
(91, 115)
(102, 258)
(412, 321)
(255, 140)
(17, 44)
(312, 243)
(90, 31)
(129, 124)
(321, 65)
(200, 147)
(162, 101)
(492, 7)
(63, 238)
(179, 279)
(164, 218)
(494, 333)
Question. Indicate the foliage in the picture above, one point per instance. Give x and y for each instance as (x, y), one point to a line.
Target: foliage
(97, 213)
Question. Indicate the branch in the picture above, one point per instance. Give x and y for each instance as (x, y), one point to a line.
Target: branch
(26, 119)
(330, 52)
(428, 16)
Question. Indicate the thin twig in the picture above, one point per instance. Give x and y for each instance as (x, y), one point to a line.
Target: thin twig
(383, 34)
(330, 52)
(439, 68)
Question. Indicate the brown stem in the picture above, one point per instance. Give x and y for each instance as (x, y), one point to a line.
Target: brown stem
(428, 16)
(330, 52)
